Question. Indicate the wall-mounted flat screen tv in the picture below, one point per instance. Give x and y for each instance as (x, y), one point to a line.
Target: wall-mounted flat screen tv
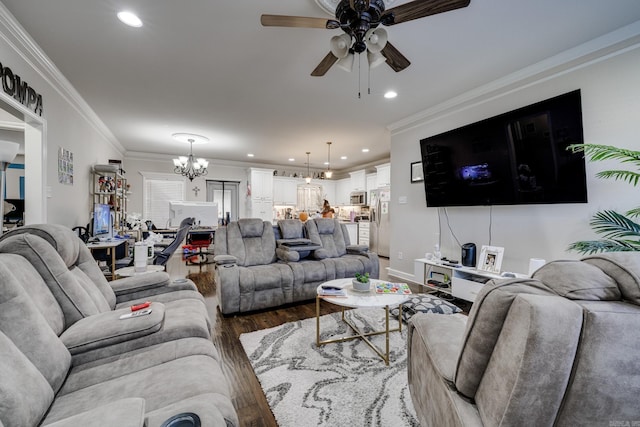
(519, 157)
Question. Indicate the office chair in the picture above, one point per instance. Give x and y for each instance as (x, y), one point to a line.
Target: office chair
(161, 258)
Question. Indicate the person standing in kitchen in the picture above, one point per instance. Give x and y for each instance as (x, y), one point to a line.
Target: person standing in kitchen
(327, 210)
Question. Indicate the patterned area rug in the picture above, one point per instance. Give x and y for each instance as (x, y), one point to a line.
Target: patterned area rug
(338, 384)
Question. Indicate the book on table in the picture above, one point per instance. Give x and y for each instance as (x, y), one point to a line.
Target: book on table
(393, 288)
(332, 291)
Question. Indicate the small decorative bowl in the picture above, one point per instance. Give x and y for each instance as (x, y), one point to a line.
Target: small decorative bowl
(361, 287)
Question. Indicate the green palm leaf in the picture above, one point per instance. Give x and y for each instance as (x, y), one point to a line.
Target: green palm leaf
(613, 225)
(594, 246)
(606, 152)
(633, 213)
(627, 176)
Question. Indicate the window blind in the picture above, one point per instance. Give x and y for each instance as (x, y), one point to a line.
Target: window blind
(158, 194)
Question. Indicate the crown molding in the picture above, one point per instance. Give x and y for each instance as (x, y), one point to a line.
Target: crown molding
(597, 50)
(21, 42)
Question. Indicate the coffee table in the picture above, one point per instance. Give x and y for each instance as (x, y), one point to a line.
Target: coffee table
(355, 299)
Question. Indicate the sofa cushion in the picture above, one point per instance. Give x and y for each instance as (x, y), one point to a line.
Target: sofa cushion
(328, 233)
(484, 325)
(251, 227)
(251, 241)
(121, 413)
(578, 281)
(624, 268)
(22, 322)
(25, 394)
(291, 228)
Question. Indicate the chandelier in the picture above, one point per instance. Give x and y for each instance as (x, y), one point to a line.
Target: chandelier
(188, 165)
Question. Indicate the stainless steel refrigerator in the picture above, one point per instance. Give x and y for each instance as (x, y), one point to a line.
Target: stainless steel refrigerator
(380, 228)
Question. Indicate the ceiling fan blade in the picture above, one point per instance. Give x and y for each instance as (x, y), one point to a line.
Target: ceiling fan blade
(324, 65)
(395, 59)
(419, 9)
(295, 21)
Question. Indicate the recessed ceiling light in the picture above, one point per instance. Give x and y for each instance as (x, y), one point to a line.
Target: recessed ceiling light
(326, 163)
(390, 94)
(130, 18)
(343, 158)
(365, 150)
(250, 155)
(292, 159)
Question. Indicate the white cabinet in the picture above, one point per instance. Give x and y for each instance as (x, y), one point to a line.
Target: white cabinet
(372, 182)
(285, 191)
(310, 198)
(261, 202)
(352, 229)
(343, 192)
(261, 183)
(363, 233)
(461, 282)
(383, 175)
(358, 180)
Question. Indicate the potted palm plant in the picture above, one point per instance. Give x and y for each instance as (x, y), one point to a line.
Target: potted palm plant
(619, 231)
(361, 283)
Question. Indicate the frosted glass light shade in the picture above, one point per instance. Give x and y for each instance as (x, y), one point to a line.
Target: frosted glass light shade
(8, 151)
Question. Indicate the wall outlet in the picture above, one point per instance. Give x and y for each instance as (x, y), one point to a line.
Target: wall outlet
(400, 255)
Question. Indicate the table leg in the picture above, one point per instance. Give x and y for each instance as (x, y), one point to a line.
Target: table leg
(113, 263)
(317, 321)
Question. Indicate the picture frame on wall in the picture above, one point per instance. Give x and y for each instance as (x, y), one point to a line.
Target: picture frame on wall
(490, 258)
(416, 172)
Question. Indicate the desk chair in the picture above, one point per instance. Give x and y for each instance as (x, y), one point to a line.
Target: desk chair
(162, 257)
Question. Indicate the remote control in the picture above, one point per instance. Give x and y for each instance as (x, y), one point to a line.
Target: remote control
(136, 313)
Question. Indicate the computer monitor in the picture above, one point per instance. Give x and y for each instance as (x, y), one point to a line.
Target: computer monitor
(102, 228)
(14, 213)
(205, 213)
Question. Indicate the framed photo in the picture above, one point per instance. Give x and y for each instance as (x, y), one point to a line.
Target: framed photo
(416, 172)
(491, 258)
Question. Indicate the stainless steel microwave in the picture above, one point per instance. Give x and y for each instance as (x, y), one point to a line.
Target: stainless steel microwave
(358, 198)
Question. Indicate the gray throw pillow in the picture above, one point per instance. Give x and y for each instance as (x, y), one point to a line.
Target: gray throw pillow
(425, 303)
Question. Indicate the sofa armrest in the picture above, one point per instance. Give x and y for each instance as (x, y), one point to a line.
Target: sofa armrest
(287, 255)
(129, 285)
(357, 249)
(128, 412)
(106, 329)
(225, 259)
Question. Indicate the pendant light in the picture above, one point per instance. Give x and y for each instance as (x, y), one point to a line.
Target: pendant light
(308, 177)
(328, 173)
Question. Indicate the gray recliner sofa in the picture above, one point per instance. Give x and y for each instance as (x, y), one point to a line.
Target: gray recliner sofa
(256, 269)
(559, 349)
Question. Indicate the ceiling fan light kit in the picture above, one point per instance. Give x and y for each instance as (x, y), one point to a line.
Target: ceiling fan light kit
(359, 19)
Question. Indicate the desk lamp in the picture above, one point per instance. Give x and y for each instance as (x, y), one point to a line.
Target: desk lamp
(8, 151)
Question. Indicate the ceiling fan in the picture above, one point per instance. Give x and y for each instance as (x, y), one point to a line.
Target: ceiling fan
(359, 19)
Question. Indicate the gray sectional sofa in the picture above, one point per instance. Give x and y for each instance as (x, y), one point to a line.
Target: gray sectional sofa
(559, 349)
(68, 359)
(258, 265)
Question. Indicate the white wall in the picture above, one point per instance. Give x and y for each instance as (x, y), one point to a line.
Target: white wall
(611, 107)
(67, 122)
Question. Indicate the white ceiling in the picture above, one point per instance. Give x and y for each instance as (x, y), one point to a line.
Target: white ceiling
(209, 67)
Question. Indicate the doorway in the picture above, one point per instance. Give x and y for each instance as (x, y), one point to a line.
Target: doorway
(225, 194)
(15, 118)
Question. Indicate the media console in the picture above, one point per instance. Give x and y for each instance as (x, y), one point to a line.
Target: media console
(460, 282)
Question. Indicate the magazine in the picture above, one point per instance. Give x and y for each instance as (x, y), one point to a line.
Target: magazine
(332, 291)
(392, 288)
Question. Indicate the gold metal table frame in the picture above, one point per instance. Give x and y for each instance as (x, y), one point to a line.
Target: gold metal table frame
(358, 333)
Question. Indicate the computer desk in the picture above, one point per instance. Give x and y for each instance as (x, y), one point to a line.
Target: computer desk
(110, 246)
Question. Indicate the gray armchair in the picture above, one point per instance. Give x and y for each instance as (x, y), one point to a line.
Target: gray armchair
(559, 349)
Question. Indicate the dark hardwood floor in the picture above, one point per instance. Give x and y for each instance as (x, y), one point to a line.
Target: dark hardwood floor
(248, 398)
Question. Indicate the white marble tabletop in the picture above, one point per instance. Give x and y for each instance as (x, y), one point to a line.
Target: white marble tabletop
(355, 299)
